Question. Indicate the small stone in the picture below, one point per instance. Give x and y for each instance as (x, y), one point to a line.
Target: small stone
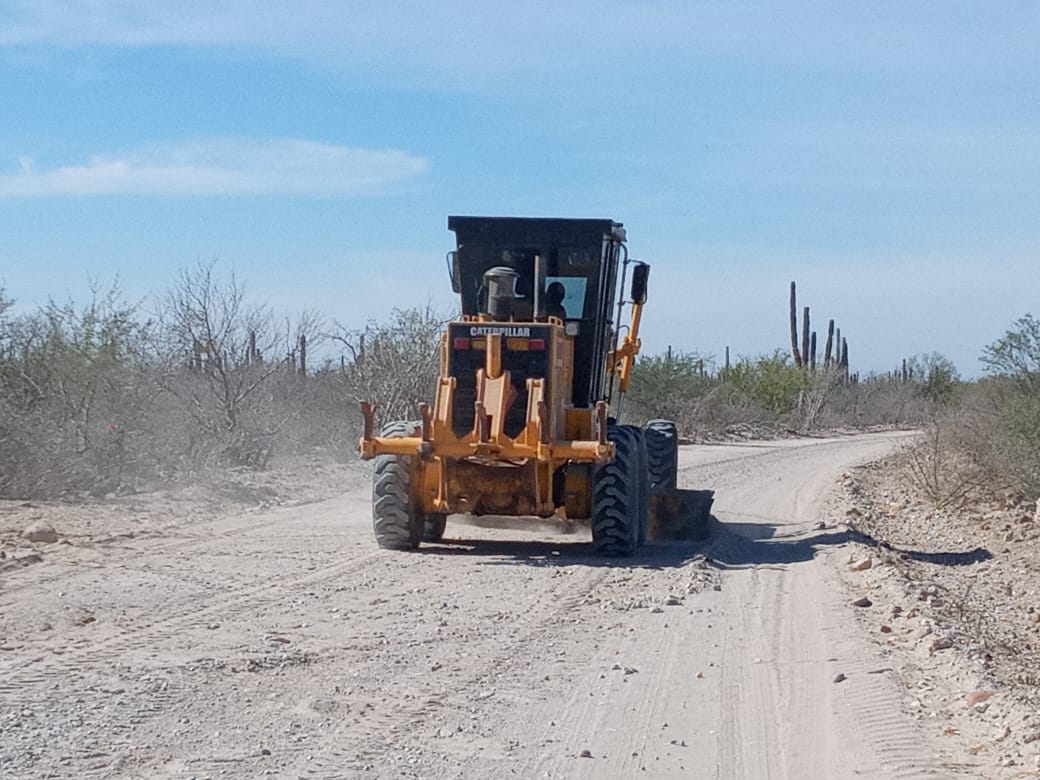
(862, 602)
(940, 643)
(840, 677)
(585, 754)
(862, 565)
(886, 629)
(42, 532)
(977, 697)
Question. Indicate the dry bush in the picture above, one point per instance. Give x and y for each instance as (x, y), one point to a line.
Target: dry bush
(1000, 423)
(72, 384)
(943, 469)
(875, 402)
(96, 398)
(35, 461)
(988, 444)
(394, 363)
(318, 413)
(814, 397)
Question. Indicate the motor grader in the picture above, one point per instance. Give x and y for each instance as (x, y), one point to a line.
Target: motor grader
(532, 379)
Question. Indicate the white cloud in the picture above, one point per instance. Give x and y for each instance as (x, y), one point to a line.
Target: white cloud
(223, 167)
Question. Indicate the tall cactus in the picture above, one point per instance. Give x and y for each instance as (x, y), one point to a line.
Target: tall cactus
(795, 352)
(830, 344)
(805, 337)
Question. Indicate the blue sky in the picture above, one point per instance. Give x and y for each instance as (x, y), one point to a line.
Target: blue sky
(886, 156)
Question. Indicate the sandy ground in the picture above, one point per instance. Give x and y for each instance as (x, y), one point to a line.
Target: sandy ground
(256, 630)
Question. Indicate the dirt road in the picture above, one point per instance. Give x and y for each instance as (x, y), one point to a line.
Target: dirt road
(283, 643)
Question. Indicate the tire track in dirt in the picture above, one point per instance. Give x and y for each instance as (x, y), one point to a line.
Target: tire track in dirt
(159, 542)
(792, 598)
(360, 746)
(627, 729)
(25, 682)
(22, 671)
(743, 684)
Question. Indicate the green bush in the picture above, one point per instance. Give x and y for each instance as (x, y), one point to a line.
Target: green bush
(770, 382)
(1021, 426)
(670, 386)
(1016, 354)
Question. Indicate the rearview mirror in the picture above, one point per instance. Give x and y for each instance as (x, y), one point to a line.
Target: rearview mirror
(640, 274)
(454, 272)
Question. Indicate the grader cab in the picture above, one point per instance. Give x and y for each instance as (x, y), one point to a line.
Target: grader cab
(532, 380)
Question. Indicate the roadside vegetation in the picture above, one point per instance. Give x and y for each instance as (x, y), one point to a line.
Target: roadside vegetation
(113, 395)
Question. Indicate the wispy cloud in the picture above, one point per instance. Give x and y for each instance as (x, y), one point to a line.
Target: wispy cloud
(222, 167)
(533, 35)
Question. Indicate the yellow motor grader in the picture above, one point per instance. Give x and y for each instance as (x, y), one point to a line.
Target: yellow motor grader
(532, 379)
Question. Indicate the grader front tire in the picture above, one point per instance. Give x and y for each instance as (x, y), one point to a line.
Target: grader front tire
(397, 523)
(619, 495)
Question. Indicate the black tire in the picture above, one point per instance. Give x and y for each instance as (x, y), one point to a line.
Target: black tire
(397, 523)
(619, 504)
(662, 449)
(433, 528)
(643, 482)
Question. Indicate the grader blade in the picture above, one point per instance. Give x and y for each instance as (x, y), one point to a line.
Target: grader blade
(680, 515)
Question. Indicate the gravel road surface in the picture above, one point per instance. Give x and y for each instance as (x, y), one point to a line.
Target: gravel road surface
(283, 643)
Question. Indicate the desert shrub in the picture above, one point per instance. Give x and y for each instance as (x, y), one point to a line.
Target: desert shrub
(876, 402)
(1020, 420)
(394, 363)
(986, 435)
(935, 377)
(674, 386)
(216, 354)
(1014, 360)
(100, 398)
(947, 472)
(71, 380)
(761, 394)
(1016, 354)
(769, 382)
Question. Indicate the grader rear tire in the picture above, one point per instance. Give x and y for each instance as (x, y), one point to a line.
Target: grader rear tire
(397, 523)
(662, 447)
(619, 495)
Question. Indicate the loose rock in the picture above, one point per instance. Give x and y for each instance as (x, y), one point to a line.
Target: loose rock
(42, 532)
(977, 697)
